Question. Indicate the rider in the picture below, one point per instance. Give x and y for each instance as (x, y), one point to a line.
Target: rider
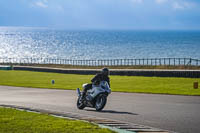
(103, 76)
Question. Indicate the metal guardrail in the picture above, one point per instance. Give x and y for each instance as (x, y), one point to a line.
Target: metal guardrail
(110, 62)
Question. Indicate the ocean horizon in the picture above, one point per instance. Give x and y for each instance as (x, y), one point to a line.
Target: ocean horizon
(28, 42)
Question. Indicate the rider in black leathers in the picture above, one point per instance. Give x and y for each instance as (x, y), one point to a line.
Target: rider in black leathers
(103, 76)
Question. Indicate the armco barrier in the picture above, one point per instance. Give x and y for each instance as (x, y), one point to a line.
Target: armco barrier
(122, 72)
(104, 62)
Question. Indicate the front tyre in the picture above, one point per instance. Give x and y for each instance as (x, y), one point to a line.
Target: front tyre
(80, 105)
(100, 102)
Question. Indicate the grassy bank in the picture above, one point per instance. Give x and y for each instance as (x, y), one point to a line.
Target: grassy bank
(14, 121)
(180, 86)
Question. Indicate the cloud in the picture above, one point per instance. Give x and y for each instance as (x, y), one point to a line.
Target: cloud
(182, 5)
(137, 1)
(177, 5)
(160, 1)
(59, 8)
(42, 4)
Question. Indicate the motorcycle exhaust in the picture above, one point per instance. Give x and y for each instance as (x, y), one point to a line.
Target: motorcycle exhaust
(78, 92)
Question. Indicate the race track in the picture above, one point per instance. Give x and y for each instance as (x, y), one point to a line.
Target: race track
(169, 112)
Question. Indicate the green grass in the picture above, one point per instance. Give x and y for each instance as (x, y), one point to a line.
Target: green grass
(15, 121)
(161, 85)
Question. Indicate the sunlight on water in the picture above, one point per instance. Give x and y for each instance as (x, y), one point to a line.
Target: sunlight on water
(46, 43)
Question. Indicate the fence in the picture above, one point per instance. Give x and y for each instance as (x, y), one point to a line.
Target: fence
(111, 62)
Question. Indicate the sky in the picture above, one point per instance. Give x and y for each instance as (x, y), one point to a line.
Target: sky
(102, 14)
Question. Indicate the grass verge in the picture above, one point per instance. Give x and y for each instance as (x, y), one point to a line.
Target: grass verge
(160, 85)
(15, 121)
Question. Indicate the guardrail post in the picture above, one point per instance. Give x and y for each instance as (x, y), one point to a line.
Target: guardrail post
(190, 61)
(160, 62)
(111, 62)
(184, 61)
(196, 62)
(164, 61)
(174, 61)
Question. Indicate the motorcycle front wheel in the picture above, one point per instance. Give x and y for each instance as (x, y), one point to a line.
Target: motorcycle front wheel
(80, 105)
(100, 102)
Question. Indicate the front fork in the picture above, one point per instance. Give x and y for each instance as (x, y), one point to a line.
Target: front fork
(78, 92)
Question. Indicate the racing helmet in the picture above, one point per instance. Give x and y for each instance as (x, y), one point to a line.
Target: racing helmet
(105, 71)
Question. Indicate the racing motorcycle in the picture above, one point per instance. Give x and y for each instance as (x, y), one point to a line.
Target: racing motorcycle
(95, 97)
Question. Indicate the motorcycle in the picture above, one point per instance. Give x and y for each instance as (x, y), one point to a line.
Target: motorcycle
(95, 97)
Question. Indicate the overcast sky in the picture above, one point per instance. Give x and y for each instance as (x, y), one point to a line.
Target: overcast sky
(101, 14)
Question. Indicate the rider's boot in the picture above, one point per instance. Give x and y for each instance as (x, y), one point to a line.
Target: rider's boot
(85, 90)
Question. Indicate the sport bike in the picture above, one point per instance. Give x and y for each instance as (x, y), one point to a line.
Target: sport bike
(96, 97)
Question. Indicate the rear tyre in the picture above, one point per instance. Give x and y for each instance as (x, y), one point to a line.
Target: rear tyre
(80, 104)
(100, 102)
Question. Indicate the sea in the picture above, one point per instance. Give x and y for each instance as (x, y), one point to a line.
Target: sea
(23, 42)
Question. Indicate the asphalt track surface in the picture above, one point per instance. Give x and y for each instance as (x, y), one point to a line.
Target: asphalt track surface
(170, 112)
